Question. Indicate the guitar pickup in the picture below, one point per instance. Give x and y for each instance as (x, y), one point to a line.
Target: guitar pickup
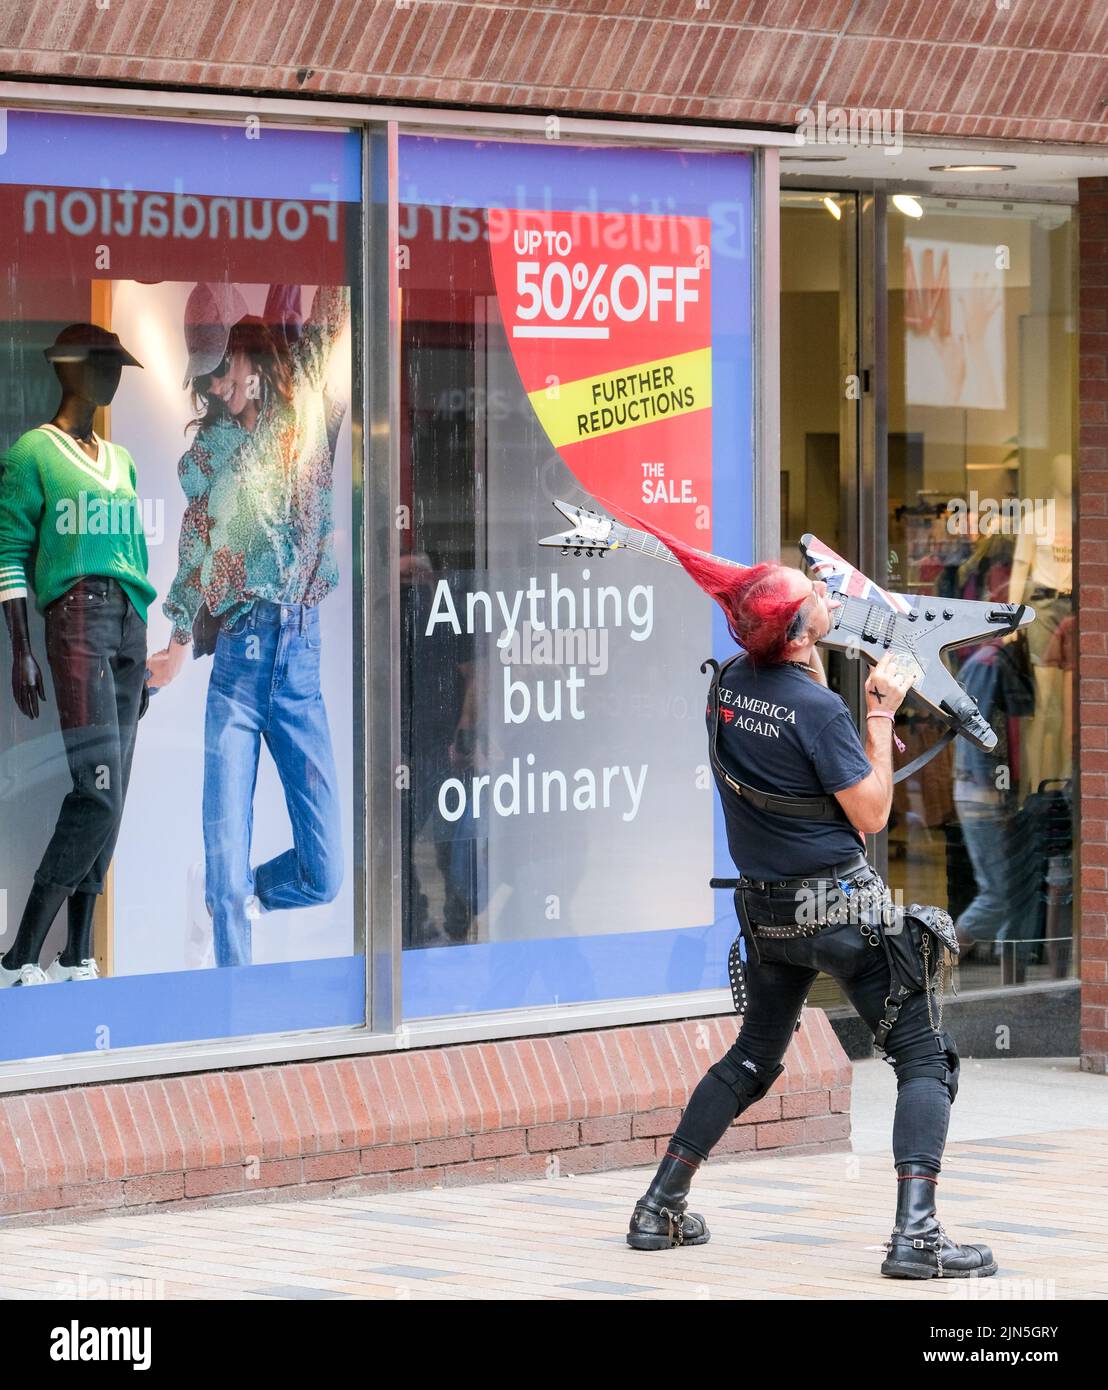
(878, 626)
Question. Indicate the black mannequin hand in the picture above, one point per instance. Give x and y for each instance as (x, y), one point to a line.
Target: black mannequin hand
(27, 686)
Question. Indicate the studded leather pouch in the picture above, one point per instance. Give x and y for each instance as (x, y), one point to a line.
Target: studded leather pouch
(922, 947)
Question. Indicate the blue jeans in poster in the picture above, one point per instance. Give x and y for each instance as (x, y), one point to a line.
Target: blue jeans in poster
(265, 686)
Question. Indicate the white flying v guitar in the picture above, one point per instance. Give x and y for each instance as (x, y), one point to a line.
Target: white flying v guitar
(869, 621)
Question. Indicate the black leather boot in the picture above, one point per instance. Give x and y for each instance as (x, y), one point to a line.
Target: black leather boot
(919, 1248)
(660, 1220)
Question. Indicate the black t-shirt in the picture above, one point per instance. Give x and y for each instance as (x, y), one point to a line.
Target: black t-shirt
(782, 733)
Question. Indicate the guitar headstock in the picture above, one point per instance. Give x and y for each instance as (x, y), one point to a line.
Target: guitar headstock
(590, 532)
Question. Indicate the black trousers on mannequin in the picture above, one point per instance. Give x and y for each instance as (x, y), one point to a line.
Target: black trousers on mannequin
(96, 644)
(779, 974)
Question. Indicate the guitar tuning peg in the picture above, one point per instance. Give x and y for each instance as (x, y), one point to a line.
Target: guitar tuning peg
(577, 553)
(565, 549)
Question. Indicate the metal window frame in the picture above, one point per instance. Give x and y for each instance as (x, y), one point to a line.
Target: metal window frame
(384, 1029)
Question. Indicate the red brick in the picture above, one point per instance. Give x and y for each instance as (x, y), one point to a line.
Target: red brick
(605, 1129)
(518, 1167)
(628, 1153)
(662, 1122)
(737, 1139)
(805, 1103)
(511, 1112)
(310, 1108)
(768, 1108)
(529, 1108)
(438, 1151)
(291, 1141)
(173, 1149)
(471, 1059)
(561, 1079)
(207, 1182)
(840, 1099)
(576, 1161)
(145, 1124)
(442, 1078)
(819, 1129)
(559, 1136)
(275, 1172)
(324, 1167)
(310, 1128)
(345, 1077)
(778, 1135)
(390, 1127)
(414, 1178)
(91, 1196)
(12, 1177)
(499, 1143)
(55, 1170)
(421, 1091)
(462, 1174)
(242, 1112)
(109, 1135)
(388, 1158)
(154, 1187)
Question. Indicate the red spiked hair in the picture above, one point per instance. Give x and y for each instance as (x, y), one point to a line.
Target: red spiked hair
(756, 601)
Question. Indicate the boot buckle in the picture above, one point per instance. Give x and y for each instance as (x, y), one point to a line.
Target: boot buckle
(673, 1218)
(919, 1245)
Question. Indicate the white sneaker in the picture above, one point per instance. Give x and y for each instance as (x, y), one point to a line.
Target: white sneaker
(25, 975)
(87, 970)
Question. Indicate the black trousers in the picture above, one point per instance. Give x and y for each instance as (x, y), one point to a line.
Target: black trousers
(779, 974)
(96, 645)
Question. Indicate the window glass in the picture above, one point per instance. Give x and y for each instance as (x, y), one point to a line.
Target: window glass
(176, 498)
(981, 344)
(576, 326)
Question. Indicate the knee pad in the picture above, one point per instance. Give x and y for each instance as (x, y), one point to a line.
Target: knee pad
(941, 1062)
(745, 1077)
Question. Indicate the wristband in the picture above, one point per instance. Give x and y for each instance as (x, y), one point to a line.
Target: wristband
(886, 714)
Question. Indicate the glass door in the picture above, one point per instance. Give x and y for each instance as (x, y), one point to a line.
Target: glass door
(980, 343)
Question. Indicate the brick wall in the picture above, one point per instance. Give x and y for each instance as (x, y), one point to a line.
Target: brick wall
(483, 1112)
(1092, 583)
(1021, 70)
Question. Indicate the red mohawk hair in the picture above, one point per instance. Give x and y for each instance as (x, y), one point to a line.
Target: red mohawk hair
(756, 600)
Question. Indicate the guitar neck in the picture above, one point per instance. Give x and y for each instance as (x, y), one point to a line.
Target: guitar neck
(646, 544)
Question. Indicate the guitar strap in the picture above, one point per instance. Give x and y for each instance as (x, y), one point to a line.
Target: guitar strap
(818, 808)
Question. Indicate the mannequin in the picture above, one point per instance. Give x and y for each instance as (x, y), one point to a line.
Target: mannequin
(1042, 575)
(67, 497)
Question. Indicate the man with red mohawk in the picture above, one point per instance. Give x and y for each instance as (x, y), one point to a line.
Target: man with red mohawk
(799, 791)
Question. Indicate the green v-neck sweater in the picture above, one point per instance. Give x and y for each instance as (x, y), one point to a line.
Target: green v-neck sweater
(69, 516)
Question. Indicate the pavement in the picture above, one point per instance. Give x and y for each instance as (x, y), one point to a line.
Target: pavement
(1026, 1169)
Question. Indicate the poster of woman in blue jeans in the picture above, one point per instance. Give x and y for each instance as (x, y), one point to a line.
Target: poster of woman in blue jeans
(256, 557)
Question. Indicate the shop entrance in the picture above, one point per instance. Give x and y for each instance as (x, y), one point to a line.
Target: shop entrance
(926, 426)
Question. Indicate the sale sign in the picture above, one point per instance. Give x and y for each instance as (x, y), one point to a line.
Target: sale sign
(608, 316)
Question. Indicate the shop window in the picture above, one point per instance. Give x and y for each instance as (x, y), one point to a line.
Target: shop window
(189, 511)
(576, 325)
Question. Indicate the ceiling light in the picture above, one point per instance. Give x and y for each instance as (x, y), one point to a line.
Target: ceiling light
(833, 208)
(970, 168)
(909, 206)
